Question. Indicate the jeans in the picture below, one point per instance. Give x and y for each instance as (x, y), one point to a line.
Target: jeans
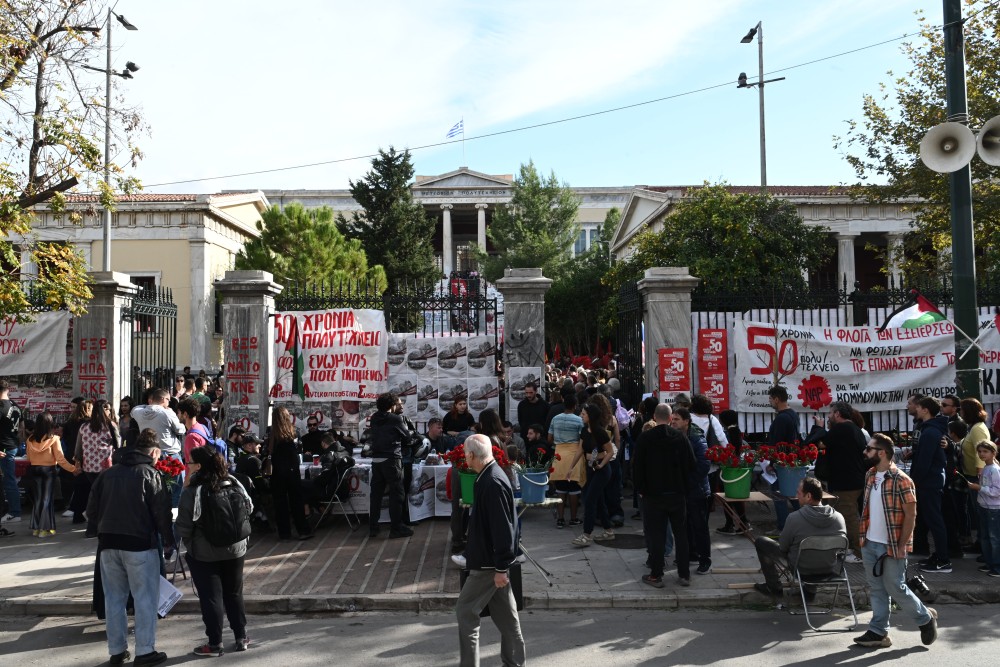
(478, 593)
(10, 483)
(175, 492)
(43, 514)
(220, 589)
(387, 476)
(594, 507)
(699, 543)
(137, 572)
(929, 507)
(660, 514)
(892, 584)
(989, 536)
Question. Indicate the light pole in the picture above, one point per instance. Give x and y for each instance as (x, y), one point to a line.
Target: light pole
(742, 83)
(125, 74)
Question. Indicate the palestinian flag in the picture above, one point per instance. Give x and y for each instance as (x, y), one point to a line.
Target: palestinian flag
(916, 313)
(298, 363)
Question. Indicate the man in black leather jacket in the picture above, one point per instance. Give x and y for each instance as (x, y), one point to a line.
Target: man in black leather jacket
(388, 434)
(129, 509)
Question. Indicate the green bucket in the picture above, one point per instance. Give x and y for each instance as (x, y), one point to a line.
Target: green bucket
(736, 482)
(468, 481)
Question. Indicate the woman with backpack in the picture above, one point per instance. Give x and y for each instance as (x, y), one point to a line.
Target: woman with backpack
(95, 443)
(214, 521)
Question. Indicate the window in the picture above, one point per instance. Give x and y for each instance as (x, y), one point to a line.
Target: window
(147, 288)
(581, 243)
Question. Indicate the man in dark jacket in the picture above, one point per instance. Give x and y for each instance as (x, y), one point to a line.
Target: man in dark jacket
(927, 472)
(699, 542)
(664, 462)
(129, 509)
(784, 428)
(489, 555)
(532, 410)
(388, 432)
(843, 467)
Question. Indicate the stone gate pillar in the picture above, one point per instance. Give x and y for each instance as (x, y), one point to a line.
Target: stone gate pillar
(248, 347)
(102, 345)
(523, 330)
(666, 294)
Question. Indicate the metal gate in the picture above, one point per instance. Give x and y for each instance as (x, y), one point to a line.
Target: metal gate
(149, 322)
(629, 344)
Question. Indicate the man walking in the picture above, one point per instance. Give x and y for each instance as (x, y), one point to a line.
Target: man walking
(886, 534)
(10, 417)
(129, 510)
(489, 554)
(664, 462)
(388, 432)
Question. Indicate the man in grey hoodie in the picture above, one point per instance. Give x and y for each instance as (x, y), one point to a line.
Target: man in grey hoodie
(809, 520)
(157, 415)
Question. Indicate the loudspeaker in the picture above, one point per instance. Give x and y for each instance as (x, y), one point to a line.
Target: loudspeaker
(988, 142)
(947, 147)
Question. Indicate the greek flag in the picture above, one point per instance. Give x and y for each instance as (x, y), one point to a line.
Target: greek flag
(457, 129)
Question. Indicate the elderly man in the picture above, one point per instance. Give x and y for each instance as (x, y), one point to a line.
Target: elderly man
(811, 519)
(489, 555)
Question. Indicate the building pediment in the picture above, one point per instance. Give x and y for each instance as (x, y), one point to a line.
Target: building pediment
(462, 179)
(641, 210)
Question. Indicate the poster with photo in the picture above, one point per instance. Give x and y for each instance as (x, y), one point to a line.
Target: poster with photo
(481, 356)
(351, 414)
(427, 402)
(397, 350)
(451, 358)
(246, 419)
(405, 386)
(517, 378)
(421, 358)
(483, 393)
(420, 495)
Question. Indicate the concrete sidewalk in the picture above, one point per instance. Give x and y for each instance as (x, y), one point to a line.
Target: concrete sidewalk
(344, 570)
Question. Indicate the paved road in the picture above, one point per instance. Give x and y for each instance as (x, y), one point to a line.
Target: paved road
(555, 638)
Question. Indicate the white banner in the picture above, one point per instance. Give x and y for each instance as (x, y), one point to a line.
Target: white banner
(338, 354)
(35, 347)
(869, 369)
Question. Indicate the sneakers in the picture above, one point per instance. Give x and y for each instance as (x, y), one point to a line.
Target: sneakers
(7, 518)
(575, 522)
(148, 659)
(985, 568)
(242, 644)
(655, 582)
(704, 568)
(934, 565)
(583, 541)
(873, 640)
(560, 523)
(993, 573)
(928, 631)
(637, 516)
(459, 560)
(683, 581)
(208, 651)
(68, 513)
(728, 530)
(606, 536)
(854, 558)
(400, 532)
(764, 590)
(120, 658)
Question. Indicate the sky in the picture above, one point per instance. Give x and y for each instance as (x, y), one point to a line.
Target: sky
(232, 87)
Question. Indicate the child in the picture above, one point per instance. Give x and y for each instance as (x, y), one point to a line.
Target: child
(989, 507)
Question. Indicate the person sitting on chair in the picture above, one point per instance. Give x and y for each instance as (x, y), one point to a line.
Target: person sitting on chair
(335, 460)
(811, 519)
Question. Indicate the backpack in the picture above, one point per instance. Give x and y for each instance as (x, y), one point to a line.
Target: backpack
(622, 416)
(224, 516)
(219, 444)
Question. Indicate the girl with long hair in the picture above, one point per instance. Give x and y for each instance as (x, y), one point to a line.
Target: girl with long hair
(599, 450)
(45, 454)
(95, 443)
(286, 483)
(459, 418)
(217, 571)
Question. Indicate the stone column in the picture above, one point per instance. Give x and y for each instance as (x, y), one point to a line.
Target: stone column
(481, 220)
(447, 252)
(666, 295)
(201, 320)
(524, 324)
(248, 346)
(845, 260)
(894, 244)
(102, 345)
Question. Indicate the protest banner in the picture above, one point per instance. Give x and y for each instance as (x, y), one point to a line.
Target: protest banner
(713, 367)
(34, 347)
(674, 372)
(868, 368)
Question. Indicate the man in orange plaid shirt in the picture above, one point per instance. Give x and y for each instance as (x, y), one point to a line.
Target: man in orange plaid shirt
(887, 520)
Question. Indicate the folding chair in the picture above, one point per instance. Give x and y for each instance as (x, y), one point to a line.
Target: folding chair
(334, 500)
(821, 563)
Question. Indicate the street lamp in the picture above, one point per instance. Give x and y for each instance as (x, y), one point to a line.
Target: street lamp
(742, 82)
(125, 74)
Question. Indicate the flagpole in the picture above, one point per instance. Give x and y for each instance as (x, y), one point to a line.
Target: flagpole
(463, 142)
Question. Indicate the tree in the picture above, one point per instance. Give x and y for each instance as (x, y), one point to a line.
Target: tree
(578, 295)
(299, 246)
(52, 111)
(735, 243)
(536, 229)
(395, 231)
(885, 143)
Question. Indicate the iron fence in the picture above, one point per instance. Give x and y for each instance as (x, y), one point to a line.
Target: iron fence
(149, 324)
(628, 345)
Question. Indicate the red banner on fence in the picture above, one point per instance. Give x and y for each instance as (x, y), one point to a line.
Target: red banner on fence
(713, 367)
(675, 371)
